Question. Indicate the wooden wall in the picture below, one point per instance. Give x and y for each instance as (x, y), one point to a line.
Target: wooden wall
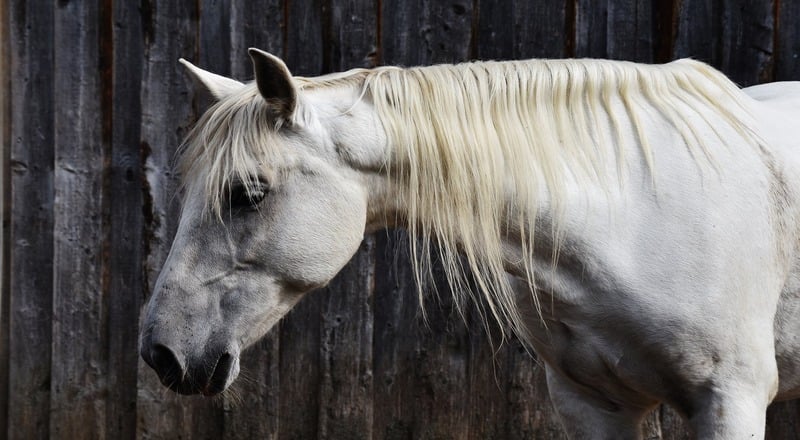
(92, 106)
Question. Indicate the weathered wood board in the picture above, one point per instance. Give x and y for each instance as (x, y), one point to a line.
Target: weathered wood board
(93, 105)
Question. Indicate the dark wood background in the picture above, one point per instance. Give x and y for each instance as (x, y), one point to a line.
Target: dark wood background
(92, 106)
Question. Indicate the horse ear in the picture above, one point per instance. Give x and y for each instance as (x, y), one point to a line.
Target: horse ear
(217, 86)
(274, 81)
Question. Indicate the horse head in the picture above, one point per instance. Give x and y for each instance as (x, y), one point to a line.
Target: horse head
(273, 208)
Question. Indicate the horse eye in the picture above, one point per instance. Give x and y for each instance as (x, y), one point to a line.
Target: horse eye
(240, 197)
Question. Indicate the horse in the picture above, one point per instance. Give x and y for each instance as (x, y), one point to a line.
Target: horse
(635, 225)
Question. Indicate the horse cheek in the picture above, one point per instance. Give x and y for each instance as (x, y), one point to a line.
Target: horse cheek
(315, 237)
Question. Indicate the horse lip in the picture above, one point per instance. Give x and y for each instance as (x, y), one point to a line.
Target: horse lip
(219, 378)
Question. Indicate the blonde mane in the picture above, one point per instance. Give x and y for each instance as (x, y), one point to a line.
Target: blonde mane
(465, 136)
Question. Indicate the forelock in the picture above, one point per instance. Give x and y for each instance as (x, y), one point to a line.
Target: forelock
(232, 142)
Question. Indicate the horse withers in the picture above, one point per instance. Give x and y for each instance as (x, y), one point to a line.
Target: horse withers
(636, 225)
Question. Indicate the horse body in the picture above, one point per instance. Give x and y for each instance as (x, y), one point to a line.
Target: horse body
(675, 281)
(672, 298)
(653, 291)
(778, 105)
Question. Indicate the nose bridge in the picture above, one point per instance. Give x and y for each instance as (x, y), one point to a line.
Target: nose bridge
(200, 250)
(183, 336)
(184, 313)
(176, 312)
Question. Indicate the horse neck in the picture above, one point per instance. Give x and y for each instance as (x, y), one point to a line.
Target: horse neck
(368, 150)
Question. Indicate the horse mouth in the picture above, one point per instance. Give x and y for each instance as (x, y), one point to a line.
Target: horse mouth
(190, 381)
(219, 378)
(202, 383)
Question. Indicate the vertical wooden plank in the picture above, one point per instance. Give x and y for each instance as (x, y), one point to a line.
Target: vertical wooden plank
(300, 369)
(441, 358)
(783, 420)
(521, 29)
(495, 38)
(31, 284)
(346, 405)
(126, 286)
(734, 36)
(615, 29)
(540, 29)
(418, 32)
(699, 30)
(304, 45)
(529, 413)
(255, 24)
(749, 41)
(300, 330)
(487, 380)
(396, 326)
(673, 427)
(351, 36)
(214, 43)
(591, 29)
(5, 211)
(215, 36)
(79, 331)
(402, 33)
(631, 31)
(787, 52)
(169, 30)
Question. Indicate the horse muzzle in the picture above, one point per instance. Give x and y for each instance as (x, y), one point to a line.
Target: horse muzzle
(209, 374)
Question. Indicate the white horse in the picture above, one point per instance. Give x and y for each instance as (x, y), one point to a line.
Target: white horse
(637, 225)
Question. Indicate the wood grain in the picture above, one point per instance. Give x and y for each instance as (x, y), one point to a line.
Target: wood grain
(92, 107)
(255, 23)
(615, 29)
(734, 36)
(31, 246)
(5, 212)
(505, 32)
(787, 41)
(126, 286)
(79, 334)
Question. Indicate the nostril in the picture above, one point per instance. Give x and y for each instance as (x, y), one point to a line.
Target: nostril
(166, 364)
